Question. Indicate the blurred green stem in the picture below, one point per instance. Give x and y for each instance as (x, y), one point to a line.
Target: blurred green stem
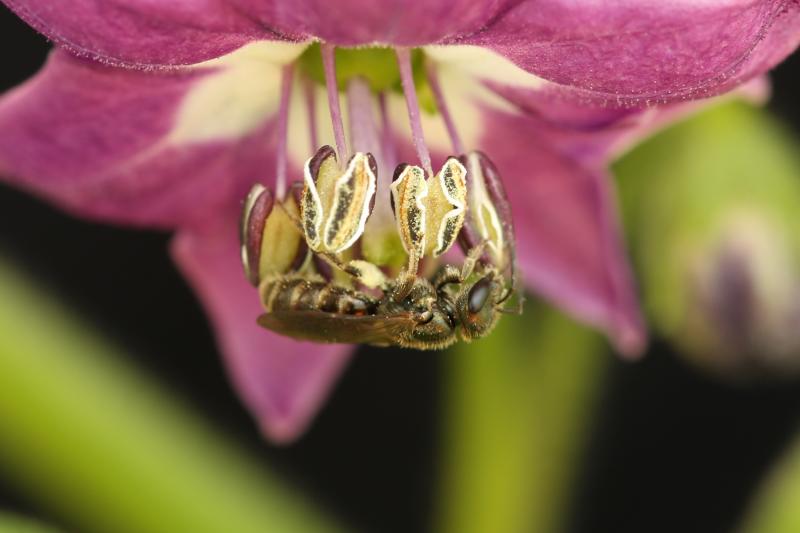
(89, 437)
(776, 508)
(516, 410)
(10, 523)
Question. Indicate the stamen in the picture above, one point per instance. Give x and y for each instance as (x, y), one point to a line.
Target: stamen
(287, 74)
(410, 92)
(438, 95)
(329, 64)
(309, 90)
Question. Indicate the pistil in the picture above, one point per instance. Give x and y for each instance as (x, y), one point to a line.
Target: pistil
(441, 104)
(363, 133)
(379, 243)
(310, 96)
(388, 146)
(281, 157)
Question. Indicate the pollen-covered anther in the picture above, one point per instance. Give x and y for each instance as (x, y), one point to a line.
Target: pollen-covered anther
(336, 203)
(488, 211)
(409, 191)
(429, 213)
(270, 240)
(445, 207)
(257, 207)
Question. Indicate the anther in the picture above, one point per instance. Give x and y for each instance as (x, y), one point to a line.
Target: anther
(270, 240)
(409, 190)
(446, 206)
(489, 217)
(429, 213)
(257, 207)
(336, 204)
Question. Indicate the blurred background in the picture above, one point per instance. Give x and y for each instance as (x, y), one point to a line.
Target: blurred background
(556, 435)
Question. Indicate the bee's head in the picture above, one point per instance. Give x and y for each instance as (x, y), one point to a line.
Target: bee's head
(477, 306)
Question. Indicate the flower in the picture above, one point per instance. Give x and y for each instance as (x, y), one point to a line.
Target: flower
(219, 94)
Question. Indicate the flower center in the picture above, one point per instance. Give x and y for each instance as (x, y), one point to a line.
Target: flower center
(364, 76)
(353, 222)
(399, 212)
(377, 66)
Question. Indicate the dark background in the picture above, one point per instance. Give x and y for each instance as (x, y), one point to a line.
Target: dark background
(671, 450)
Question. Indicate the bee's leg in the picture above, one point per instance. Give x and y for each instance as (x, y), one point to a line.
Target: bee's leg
(516, 309)
(472, 259)
(511, 291)
(452, 274)
(405, 280)
(446, 275)
(362, 272)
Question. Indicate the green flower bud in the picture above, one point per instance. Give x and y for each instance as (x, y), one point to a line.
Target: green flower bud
(712, 207)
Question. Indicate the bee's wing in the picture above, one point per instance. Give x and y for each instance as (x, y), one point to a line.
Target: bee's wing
(319, 326)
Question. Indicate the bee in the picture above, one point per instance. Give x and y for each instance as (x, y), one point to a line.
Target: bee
(302, 299)
(432, 315)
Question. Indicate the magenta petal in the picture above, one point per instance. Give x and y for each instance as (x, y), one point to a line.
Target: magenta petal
(360, 22)
(142, 32)
(156, 32)
(594, 134)
(641, 51)
(281, 381)
(568, 238)
(91, 139)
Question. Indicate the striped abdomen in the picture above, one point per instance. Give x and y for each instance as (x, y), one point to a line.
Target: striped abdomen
(299, 294)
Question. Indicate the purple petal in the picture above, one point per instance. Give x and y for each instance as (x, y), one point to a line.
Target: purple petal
(640, 51)
(143, 32)
(283, 382)
(360, 22)
(93, 140)
(594, 135)
(568, 239)
(158, 33)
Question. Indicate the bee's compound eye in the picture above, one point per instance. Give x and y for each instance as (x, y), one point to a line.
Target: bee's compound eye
(478, 295)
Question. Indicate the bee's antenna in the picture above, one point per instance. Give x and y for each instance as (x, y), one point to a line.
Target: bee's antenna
(506, 295)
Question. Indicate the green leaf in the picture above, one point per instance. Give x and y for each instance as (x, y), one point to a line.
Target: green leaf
(103, 446)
